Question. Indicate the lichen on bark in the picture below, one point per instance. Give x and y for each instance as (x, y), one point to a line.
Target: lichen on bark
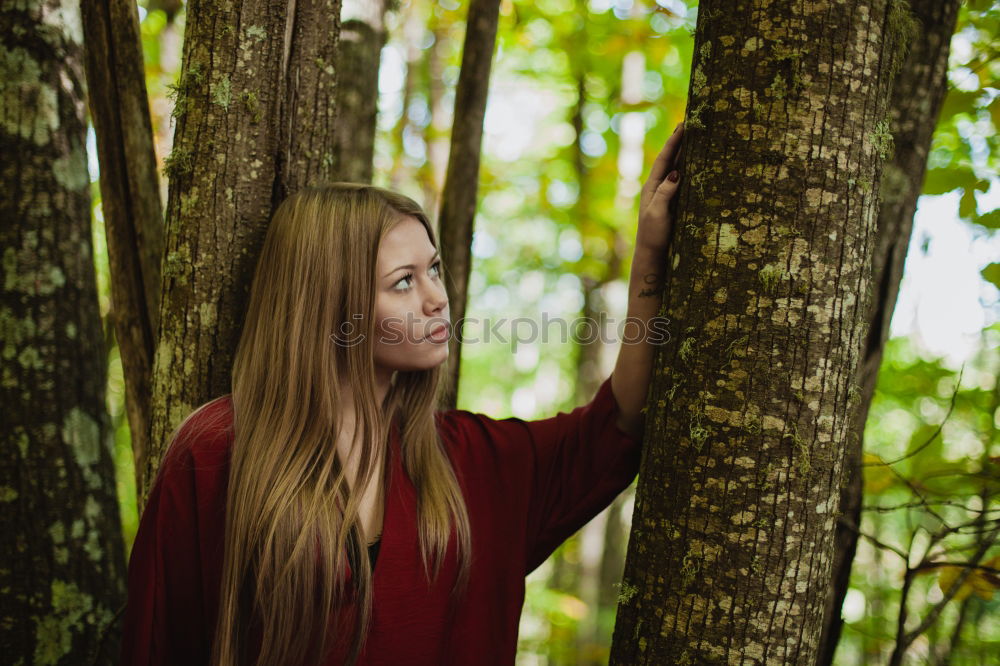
(766, 274)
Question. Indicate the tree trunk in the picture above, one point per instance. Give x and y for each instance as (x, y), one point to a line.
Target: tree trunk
(767, 282)
(256, 122)
(438, 131)
(458, 200)
(130, 197)
(362, 36)
(412, 28)
(917, 96)
(63, 573)
(430, 174)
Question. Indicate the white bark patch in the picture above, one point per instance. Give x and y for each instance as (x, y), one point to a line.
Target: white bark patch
(81, 432)
(64, 21)
(773, 423)
(54, 632)
(30, 106)
(208, 314)
(70, 170)
(728, 237)
(827, 506)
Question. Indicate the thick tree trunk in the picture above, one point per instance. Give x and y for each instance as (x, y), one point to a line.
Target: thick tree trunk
(458, 200)
(767, 282)
(63, 558)
(130, 197)
(917, 96)
(362, 36)
(256, 122)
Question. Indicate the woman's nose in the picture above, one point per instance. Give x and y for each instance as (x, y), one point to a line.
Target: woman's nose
(437, 299)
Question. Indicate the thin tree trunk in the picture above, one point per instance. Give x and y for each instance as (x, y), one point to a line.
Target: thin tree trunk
(63, 573)
(256, 122)
(436, 134)
(431, 172)
(130, 197)
(412, 28)
(458, 200)
(767, 282)
(917, 96)
(362, 36)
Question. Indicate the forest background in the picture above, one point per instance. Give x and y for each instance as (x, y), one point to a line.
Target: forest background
(575, 114)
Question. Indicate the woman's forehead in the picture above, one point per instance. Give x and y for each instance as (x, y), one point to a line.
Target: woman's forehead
(407, 238)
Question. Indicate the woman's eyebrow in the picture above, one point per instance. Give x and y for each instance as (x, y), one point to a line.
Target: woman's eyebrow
(410, 266)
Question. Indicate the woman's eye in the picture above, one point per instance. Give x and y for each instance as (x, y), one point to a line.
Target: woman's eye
(406, 278)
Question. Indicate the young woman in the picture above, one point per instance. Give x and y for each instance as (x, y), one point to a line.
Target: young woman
(324, 512)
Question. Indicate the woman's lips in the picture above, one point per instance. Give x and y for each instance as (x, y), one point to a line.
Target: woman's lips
(439, 333)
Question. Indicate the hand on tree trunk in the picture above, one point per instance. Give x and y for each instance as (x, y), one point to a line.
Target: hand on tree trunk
(655, 220)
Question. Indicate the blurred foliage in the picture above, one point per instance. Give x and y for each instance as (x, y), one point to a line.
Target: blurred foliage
(557, 215)
(964, 154)
(932, 496)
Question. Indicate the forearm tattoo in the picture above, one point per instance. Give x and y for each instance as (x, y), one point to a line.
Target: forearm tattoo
(654, 283)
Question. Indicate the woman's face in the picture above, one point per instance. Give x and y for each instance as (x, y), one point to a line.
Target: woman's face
(410, 301)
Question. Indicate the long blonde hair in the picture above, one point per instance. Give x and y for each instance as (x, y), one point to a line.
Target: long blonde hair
(291, 519)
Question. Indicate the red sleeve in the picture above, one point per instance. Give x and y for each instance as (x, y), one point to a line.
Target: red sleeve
(583, 460)
(164, 620)
(571, 465)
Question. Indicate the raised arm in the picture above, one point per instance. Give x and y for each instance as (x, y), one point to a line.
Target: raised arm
(630, 378)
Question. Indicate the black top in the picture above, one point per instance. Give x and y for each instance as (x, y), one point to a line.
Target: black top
(373, 552)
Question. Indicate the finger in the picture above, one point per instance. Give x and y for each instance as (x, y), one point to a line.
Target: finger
(668, 187)
(660, 166)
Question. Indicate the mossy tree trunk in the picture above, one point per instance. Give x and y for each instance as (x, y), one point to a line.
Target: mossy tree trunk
(63, 559)
(768, 277)
(917, 95)
(256, 120)
(130, 196)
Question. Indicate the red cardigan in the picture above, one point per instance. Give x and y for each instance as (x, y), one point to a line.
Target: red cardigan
(528, 485)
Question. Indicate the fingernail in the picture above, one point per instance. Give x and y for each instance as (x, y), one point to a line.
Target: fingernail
(673, 176)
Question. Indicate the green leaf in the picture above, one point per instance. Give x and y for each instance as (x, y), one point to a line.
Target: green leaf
(992, 273)
(967, 207)
(946, 179)
(959, 101)
(990, 220)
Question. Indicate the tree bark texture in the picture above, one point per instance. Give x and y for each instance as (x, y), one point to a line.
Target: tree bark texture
(362, 36)
(130, 196)
(458, 200)
(768, 275)
(256, 122)
(917, 96)
(63, 559)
